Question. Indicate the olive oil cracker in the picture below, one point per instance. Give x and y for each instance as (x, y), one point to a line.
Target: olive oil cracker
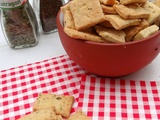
(83, 35)
(119, 23)
(44, 114)
(61, 103)
(86, 13)
(111, 35)
(79, 115)
(146, 32)
(126, 2)
(153, 10)
(133, 30)
(132, 11)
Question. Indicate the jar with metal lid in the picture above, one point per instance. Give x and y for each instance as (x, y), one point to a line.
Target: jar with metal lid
(19, 23)
(46, 11)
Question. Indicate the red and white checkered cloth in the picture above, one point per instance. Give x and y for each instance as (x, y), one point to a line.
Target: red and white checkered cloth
(115, 99)
(99, 98)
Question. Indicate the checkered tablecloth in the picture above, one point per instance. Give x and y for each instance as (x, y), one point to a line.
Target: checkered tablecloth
(100, 98)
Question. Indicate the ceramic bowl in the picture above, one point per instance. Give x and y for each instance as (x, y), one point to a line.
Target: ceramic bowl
(110, 59)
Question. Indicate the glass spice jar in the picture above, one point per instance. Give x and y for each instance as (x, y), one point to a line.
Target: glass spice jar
(46, 11)
(19, 23)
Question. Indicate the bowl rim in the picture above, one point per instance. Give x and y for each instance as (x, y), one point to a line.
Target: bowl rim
(60, 14)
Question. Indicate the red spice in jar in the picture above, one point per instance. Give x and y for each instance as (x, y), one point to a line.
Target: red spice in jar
(48, 13)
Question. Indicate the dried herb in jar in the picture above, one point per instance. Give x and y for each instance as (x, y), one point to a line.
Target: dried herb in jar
(20, 26)
(48, 13)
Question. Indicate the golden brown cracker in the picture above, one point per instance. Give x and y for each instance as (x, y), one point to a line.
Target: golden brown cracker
(61, 103)
(126, 2)
(68, 19)
(133, 30)
(79, 115)
(146, 32)
(111, 35)
(157, 2)
(153, 10)
(108, 9)
(86, 13)
(83, 35)
(131, 11)
(44, 114)
(119, 23)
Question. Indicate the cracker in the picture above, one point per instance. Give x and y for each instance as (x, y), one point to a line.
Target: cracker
(68, 19)
(108, 9)
(111, 35)
(61, 103)
(157, 2)
(126, 2)
(44, 114)
(133, 30)
(79, 115)
(86, 13)
(108, 2)
(131, 11)
(119, 23)
(146, 32)
(153, 10)
(83, 35)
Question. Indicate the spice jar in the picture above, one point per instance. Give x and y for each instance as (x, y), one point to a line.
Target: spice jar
(19, 23)
(47, 11)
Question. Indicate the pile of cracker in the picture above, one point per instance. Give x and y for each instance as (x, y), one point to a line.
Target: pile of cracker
(115, 21)
(54, 107)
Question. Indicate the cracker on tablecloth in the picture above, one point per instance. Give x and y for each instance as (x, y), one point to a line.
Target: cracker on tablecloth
(61, 103)
(79, 115)
(43, 114)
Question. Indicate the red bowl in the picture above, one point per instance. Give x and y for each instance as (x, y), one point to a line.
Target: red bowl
(109, 59)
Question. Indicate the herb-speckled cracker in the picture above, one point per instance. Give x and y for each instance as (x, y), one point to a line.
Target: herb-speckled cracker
(61, 103)
(79, 115)
(111, 35)
(146, 32)
(131, 11)
(83, 35)
(153, 10)
(86, 13)
(126, 2)
(44, 114)
(119, 23)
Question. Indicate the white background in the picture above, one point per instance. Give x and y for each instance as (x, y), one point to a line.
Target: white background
(49, 46)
